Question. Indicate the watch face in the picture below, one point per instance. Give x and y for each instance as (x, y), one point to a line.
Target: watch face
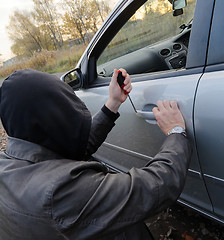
(178, 129)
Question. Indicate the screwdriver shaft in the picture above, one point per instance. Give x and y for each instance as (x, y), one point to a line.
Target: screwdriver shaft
(132, 103)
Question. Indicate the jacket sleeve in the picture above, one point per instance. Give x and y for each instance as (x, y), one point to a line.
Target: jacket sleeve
(101, 126)
(108, 203)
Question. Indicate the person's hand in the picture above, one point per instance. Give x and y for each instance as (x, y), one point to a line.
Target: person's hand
(168, 116)
(116, 94)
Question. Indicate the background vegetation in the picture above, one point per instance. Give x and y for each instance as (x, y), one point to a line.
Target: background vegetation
(53, 35)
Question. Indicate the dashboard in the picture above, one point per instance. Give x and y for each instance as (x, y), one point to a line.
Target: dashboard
(165, 55)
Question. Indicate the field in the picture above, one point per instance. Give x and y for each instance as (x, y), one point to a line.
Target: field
(48, 61)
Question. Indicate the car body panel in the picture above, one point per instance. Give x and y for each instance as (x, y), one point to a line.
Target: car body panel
(209, 135)
(135, 140)
(216, 50)
(200, 33)
(208, 114)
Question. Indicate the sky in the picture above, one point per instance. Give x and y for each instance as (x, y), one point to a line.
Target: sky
(7, 7)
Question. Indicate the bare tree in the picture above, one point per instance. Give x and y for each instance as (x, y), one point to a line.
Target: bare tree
(84, 17)
(99, 9)
(23, 32)
(76, 15)
(41, 28)
(46, 15)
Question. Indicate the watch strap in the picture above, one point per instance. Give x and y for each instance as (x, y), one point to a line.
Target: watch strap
(178, 130)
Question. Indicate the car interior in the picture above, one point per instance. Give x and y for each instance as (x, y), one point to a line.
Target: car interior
(164, 55)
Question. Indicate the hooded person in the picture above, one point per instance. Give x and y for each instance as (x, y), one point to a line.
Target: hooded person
(39, 108)
(49, 187)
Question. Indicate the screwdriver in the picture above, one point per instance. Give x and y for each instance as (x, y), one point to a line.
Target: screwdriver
(120, 80)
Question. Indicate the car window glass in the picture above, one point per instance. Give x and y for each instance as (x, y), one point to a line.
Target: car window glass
(152, 40)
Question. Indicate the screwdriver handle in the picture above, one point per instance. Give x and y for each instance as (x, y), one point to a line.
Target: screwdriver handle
(120, 80)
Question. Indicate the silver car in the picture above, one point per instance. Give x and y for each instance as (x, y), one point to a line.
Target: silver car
(175, 52)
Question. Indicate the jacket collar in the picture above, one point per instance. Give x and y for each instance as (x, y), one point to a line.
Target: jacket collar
(24, 150)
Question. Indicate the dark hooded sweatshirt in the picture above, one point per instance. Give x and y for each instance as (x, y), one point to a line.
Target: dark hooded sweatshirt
(48, 189)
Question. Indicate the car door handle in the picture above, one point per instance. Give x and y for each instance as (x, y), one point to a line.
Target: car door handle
(146, 115)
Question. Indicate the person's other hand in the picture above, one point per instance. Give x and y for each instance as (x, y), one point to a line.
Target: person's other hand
(168, 116)
(116, 95)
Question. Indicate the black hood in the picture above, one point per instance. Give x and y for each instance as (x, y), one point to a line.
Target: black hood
(39, 108)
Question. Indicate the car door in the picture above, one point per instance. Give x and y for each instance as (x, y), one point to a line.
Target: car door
(209, 117)
(136, 138)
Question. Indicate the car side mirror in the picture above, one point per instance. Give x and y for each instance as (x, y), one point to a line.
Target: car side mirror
(74, 78)
(178, 6)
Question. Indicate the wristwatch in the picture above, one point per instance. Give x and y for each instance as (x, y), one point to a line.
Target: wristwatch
(177, 129)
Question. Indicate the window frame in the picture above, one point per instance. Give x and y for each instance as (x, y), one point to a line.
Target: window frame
(197, 50)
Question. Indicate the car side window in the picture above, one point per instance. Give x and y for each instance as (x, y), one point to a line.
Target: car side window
(152, 40)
